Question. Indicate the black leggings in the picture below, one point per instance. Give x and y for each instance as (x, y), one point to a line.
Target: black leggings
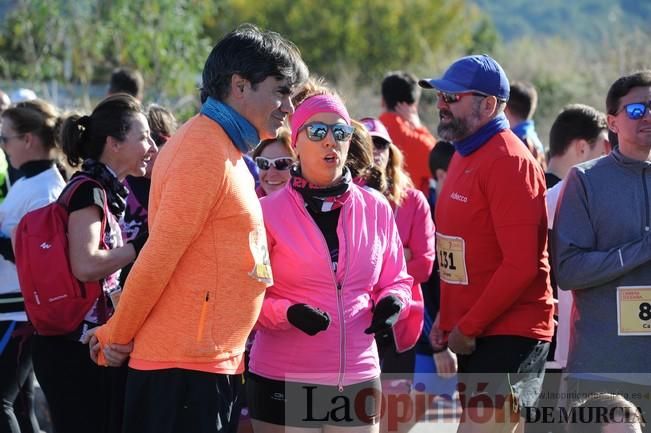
(82, 396)
(17, 385)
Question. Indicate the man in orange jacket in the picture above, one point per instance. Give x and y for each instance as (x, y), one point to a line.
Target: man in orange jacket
(196, 290)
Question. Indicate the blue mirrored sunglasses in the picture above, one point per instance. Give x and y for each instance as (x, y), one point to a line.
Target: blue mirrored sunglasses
(637, 110)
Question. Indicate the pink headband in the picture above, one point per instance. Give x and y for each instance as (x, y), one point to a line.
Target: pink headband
(313, 105)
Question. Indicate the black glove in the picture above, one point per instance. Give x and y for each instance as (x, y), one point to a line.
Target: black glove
(385, 314)
(308, 319)
(139, 241)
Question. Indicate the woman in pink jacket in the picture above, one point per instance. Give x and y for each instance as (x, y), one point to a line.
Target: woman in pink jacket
(416, 229)
(339, 278)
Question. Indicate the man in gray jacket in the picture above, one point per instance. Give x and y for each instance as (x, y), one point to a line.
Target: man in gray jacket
(602, 252)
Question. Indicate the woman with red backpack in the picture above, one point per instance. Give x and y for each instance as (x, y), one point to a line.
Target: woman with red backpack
(111, 143)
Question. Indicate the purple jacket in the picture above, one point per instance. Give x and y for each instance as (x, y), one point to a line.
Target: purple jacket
(371, 265)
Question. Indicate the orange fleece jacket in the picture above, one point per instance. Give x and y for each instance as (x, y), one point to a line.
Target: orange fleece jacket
(190, 297)
(415, 144)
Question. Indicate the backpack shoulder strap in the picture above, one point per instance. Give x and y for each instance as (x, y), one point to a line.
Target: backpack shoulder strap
(73, 185)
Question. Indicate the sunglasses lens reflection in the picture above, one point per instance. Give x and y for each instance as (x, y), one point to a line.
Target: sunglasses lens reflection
(318, 131)
(636, 110)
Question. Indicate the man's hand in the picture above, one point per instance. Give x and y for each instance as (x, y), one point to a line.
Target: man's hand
(438, 338)
(446, 363)
(115, 354)
(459, 343)
(409, 112)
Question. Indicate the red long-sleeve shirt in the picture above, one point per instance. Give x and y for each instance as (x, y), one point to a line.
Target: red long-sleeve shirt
(415, 144)
(492, 243)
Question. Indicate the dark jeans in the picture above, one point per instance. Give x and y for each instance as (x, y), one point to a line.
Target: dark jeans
(82, 396)
(181, 401)
(17, 385)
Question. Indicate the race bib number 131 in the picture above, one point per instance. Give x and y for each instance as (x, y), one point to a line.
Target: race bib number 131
(451, 254)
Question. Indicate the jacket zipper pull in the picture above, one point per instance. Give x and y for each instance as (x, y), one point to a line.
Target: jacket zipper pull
(202, 317)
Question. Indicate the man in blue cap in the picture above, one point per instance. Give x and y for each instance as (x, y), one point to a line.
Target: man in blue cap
(491, 240)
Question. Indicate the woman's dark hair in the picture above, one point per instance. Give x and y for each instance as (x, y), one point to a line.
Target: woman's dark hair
(254, 55)
(36, 117)
(84, 137)
(162, 123)
(397, 179)
(360, 159)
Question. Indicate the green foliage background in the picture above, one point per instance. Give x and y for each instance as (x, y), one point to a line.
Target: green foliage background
(571, 51)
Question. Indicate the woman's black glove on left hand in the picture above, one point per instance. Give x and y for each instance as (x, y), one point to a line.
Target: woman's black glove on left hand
(308, 319)
(385, 314)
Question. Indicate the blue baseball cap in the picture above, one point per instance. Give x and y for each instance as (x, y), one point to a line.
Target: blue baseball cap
(478, 73)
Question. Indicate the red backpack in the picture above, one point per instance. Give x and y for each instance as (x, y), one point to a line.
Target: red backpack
(56, 302)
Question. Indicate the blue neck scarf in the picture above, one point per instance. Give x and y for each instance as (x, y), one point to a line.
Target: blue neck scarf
(469, 144)
(239, 130)
(524, 129)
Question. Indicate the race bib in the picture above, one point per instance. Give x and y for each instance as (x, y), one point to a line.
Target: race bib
(634, 310)
(262, 268)
(451, 253)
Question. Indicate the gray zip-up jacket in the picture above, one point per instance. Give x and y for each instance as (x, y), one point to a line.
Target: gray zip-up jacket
(602, 240)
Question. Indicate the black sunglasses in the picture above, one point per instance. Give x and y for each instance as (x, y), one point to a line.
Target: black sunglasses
(317, 131)
(380, 143)
(282, 163)
(451, 98)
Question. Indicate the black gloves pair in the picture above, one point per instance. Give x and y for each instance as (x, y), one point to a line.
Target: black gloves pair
(308, 319)
(385, 314)
(312, 320)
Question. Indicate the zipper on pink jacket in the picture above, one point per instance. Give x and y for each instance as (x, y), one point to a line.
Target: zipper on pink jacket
(340, 302)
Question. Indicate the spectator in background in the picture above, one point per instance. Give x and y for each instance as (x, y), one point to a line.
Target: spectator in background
(416, 230)
(579, 133)
(22, 94)
(129, 81)
(439, 160)
(30, 135)
(5, 101)
(274, 157)
(400, 97)
(519, 111)
(16, 96)
(162, 124)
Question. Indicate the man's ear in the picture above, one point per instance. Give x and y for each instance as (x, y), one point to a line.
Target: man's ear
(612, 123)
(490, 104)
(580, 146)
(238, 85)
(440, 175)
(28, 138)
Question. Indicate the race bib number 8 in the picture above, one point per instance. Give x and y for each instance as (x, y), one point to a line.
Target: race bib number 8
(451, 253)
(634, 310)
